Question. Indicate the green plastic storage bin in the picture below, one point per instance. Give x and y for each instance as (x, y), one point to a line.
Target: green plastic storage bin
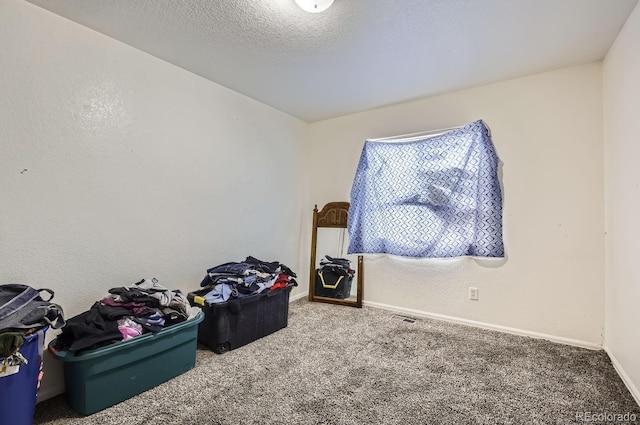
(127, 368)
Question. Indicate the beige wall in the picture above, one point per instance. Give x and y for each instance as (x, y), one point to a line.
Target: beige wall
(547, 130)
(621, 76)
(116, 166)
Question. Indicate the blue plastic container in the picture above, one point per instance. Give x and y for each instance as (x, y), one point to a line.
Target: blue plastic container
(19, 388)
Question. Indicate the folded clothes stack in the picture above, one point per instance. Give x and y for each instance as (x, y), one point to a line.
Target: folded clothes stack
(337, 265)
(248, 277)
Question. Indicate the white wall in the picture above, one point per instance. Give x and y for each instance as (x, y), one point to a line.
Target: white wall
(621, 76)
(547, 130)
(116, 166)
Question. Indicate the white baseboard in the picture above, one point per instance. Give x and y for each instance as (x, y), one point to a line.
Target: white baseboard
(623, 375)
(47, 392)
(483, 325)
(53, 378)
(296, 297)
(58, 387)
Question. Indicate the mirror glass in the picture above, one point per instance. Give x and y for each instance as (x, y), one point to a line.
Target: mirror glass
(335, 277)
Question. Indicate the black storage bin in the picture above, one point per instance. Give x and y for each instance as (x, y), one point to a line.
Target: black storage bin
(332, 283)
(239, 321)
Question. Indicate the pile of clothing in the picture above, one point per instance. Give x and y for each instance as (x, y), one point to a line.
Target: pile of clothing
(340, 265)
(333, 278)
(245, 278)
(24, 313)
(125, 313)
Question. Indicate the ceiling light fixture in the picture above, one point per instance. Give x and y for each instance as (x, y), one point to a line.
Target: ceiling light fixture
(314, 6)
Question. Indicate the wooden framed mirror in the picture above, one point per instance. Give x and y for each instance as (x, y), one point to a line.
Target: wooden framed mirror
(334, 277)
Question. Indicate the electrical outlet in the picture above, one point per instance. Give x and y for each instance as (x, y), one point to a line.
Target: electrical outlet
(473, 293)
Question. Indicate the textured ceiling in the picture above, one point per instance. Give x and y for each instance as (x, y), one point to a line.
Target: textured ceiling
(359, 54)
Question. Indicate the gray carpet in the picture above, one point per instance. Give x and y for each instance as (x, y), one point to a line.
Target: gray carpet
(341, 365)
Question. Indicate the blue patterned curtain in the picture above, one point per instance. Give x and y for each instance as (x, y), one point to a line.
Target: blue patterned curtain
(432, 197)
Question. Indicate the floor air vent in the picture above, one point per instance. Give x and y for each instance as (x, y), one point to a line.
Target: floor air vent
(404, 318)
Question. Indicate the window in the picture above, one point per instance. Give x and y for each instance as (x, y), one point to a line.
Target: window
(435, 196)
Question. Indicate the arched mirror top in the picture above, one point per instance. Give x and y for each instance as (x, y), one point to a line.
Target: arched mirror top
(333, 214)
